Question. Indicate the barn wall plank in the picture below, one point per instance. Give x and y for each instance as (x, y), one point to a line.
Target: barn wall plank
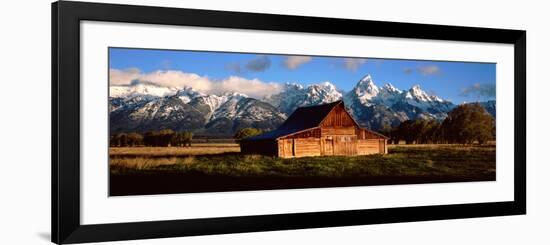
(326, 131)
(368, 146)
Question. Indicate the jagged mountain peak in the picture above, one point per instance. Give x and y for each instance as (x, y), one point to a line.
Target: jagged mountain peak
(415, 92)
(375, 106)
(234, 95)
(390, 88)
(322, 87)
(296, 95)
(367, 79)
(292, 86)
(366, 82)
(366, 89)
(326, 84)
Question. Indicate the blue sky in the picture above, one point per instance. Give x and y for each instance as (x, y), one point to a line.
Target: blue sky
(455, 81)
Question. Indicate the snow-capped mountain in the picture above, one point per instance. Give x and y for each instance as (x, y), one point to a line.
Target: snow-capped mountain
(143, 106)
(377, 107)
(187, 109)
(295, 95)
(365, 91)
(244, 112)
(140, 88)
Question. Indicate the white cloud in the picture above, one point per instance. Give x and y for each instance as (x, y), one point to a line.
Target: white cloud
(293, 62)
(254, 88)
(123, 77)
(178, 79)
(353, 63)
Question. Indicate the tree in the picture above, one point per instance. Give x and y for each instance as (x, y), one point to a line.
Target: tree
(120, 139)
(165, 137)
(135, 139)
(427, 130)
(407, 132)
(419, 131)
(468, 123)
(390, 132)
(149, 138)
(246, 132)
(433, 132)
(182, 139)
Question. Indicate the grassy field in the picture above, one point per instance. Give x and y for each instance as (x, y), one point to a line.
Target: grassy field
(220, 167)
(195, 149)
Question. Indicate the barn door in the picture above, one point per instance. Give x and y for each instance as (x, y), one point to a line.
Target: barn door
(328, 147)
(345, 145)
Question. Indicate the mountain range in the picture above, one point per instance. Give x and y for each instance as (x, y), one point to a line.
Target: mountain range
(143, 106)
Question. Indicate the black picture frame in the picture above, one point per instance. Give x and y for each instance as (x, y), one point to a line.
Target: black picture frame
(65, 171)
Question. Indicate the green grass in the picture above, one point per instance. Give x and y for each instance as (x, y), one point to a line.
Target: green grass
(434, 160)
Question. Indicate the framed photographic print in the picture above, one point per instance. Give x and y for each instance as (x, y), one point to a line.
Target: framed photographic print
(176, 122)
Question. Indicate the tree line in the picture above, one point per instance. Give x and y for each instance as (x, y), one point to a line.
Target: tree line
(466, 124)
(165, 137)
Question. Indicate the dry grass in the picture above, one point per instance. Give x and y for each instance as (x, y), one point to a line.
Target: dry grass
(402, 160)
(196, 149)
(143, 162)
(455, 147)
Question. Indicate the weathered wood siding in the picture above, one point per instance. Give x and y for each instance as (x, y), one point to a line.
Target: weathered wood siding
(371, 146)
(366, 134)
(307, 147)
(299, 147)
(338, 117)
(286, 148)
(368, 146)
(328, 131)
(385, 143)
(327, 146)
(345, 145)
(315, 133)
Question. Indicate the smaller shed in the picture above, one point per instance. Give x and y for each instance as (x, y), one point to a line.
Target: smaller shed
(321, 130)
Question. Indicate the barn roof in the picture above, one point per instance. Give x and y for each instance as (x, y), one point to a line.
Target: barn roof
(308, 116)
(301, 119)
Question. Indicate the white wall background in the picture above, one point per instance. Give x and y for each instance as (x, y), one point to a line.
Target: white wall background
(25, 100)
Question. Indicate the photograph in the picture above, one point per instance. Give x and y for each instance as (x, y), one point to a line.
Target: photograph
(189, 121)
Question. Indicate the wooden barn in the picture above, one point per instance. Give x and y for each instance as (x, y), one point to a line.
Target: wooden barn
(322, 130)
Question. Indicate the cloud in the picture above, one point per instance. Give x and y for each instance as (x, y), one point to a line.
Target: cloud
(252, 87)
(123, 77)
(428, 70)
(353, 64)
(294, 61)
(260, 63)
(408, 70)
(485, 90)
